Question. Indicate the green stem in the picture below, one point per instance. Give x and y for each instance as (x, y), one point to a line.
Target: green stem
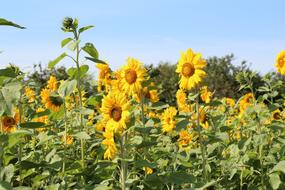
(124, 166)
(200, 139)
(65, 139)
(20, 143)
(80, 97)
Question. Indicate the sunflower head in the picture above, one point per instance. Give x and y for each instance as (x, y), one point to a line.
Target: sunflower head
(52, 83)
(115, 111)
(185, 139)
(132, 76)
(168, 121)
(280, 62)
(190, 68)
(8, 124)
(51, 99)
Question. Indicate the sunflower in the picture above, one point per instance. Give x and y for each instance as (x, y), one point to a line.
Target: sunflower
(151, 95)
(203, 120)
(181, 100)
(229, 102)
(190, 67)
(280, 62)
(245, 102)
(52, 83)
(43, 119)
(115, 111)
(185, 139)
(69, 139)
(148, 170)
(168, 121)
(51, 100)
(9, 124)
(104, 77)
(111, 148)
(132, 76)
(276, 115)
(30, 93)
(206, 94)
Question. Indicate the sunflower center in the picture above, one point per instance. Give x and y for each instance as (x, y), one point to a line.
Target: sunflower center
(131, 76)
(277, 116)
(9, 121)
(147, 95)
(188, 70)
(116, 113)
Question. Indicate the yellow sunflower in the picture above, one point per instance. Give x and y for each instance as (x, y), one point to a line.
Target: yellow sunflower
(202, 118)
(184, 140)
(9, 124)
(276, 115)
(69, 139)
(43, 119)
(52, 83)
(206, 94)
(168, 121)
(151, 95)
(51, 100)
(280, 62)
(148, 170)
(229, 102)
(30, 93)
(190, 67)
(104, 77)
(115, 111)
(111, 148)
(245, 102)
(132, 76)
(181, 99)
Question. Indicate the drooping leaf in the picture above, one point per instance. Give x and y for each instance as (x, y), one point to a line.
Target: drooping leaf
(67, 87)
(51, 64)
(5, 22)
(91, 50)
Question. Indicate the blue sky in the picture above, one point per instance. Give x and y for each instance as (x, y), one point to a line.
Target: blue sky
(150, 30)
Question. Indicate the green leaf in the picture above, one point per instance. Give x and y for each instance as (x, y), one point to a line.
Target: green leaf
(9, 23)
(182, 124)
(8, 72)
(82, 135)
(65, 41)
(91, 50)
(95, 60)
(274, 180)
(72, 46)
(51, 64)
(32, 125)
(280, 166)
(136, 140)
(85, 28)
(67, 87)
(5, 185)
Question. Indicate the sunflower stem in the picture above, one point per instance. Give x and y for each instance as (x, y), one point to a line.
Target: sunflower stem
(124, 166)
(20, 144)
(200, 138)
(76, 36)
(65, 139)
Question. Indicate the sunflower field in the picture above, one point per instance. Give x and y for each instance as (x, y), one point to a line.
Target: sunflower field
(121, 136)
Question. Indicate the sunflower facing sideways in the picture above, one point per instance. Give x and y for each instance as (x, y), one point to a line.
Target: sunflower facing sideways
(168, 121)
(190, 68)
(50, 98)
(115, 111)
(9, 123)
(132, 76)
(280, 62)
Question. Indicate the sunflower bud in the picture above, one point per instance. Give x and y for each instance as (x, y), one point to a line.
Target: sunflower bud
(68, 24)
